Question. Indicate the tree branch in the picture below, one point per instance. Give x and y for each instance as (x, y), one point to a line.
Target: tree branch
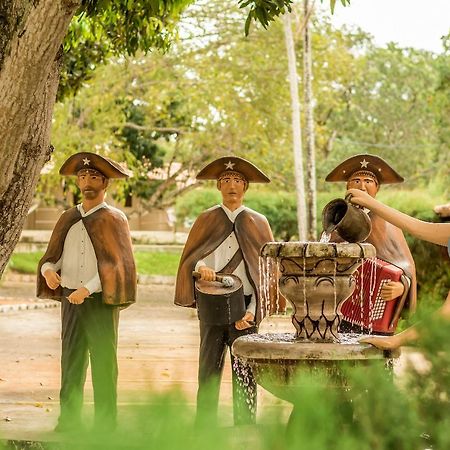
(135, 126)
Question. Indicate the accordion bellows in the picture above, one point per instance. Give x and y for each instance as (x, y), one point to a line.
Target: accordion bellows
(364, 311)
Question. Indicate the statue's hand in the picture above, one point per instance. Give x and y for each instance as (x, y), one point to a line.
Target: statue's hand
(52, 279)
(207, 273)
(246, 322)
(392, 290)
(77, 297)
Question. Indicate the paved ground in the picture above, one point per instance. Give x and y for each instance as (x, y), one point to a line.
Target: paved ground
(158, 351)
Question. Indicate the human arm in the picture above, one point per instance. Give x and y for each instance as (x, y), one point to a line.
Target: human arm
(436, 233)
(409, 335)
(249, 317)
(392, 342)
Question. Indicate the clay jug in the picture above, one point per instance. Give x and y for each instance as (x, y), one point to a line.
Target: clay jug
(349, 221)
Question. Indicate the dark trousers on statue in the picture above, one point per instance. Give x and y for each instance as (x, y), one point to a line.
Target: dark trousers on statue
(89, 333)
(214, 341)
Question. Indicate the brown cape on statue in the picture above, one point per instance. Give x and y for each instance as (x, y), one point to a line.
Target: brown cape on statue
(226, 238)
(110, 236)
(208, 232)
(89, 267)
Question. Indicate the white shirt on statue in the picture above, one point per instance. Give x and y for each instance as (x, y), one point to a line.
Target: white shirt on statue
(78, 262)
(220, 257)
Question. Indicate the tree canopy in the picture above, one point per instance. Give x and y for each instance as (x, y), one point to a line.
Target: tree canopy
(217, 91)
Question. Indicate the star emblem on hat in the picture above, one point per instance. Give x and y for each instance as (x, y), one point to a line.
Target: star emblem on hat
(229, 165)
(86, 161)
(364, 163)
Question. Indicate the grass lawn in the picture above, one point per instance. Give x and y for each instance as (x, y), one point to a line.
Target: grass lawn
(148, 263)
(157, 263)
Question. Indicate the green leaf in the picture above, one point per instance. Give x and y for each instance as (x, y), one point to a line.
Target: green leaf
(332, 4)
(243, 4)
(248, 22)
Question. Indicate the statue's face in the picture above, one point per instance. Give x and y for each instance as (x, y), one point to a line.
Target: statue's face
(91, 183)
(232, 188)
(364, 183)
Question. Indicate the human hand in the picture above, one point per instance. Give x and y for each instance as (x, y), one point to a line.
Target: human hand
(207, 273)
(392, 342)
(391, 290)
(246, 322)
(52, 279)
(360, 198)
(383, 342)
(77, 297)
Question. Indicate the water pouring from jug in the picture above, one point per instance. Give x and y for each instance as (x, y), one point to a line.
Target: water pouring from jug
(350, 222)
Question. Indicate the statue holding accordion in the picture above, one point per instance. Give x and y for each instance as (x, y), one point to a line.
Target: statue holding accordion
(387, 284)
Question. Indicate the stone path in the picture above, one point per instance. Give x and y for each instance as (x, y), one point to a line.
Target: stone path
(158, 351)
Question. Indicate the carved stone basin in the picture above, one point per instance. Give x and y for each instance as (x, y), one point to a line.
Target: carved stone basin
(316, 278)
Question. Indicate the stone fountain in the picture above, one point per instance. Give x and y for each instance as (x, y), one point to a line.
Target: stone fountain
(316, 278)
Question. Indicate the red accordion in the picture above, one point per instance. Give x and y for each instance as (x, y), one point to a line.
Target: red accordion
(365, 311)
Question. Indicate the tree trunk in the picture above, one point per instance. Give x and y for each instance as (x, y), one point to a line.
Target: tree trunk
(32, 34)
(309, 128)
(296, 128)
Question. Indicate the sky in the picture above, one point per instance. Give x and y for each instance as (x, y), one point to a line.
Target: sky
(410, 23)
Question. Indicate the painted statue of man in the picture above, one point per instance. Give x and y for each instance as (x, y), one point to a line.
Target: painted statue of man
(89, 267)
(226, 234)
(367, 173)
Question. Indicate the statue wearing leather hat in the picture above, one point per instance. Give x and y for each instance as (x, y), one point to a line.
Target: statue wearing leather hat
(226, 238)
(89, 267)
(368, 172)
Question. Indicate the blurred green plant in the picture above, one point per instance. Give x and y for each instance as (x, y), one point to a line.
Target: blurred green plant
(147, 262)
(375, 409)
(24, 262)
(278, 207)
(157, 263)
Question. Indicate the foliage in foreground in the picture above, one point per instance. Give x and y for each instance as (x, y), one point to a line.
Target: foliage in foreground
(374, 412)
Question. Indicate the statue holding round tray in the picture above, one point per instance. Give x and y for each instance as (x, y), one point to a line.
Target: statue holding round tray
(220, 302)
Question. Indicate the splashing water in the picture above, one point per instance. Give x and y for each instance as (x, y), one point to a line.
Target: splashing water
(305, 304)
(268, 280)
(246, 392)
(325, 237)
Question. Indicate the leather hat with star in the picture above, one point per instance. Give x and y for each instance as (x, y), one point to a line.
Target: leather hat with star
(383, 172)
(234, 164)
(87, 160)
